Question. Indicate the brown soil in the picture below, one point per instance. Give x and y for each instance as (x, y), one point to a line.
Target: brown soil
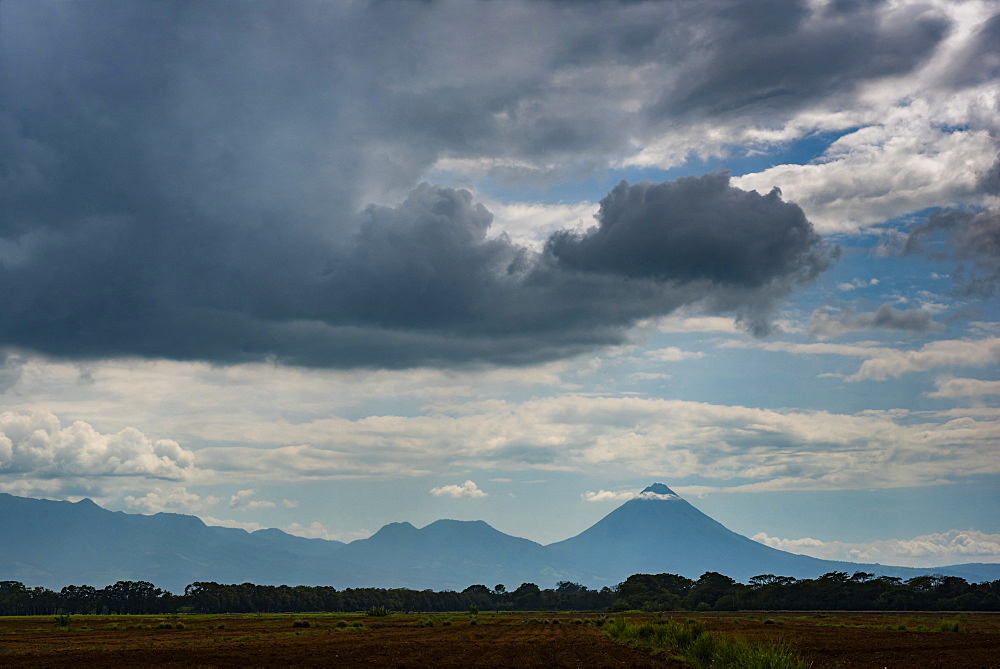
(498, 640)
(855, 640)
(394, 641)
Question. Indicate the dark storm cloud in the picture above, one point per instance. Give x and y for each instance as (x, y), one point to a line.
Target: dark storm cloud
(695, 229)
(824, 324)
(189, 181)
(968, 237)
(980, 60)
(420, 283)
(766, 57)
(989, 182)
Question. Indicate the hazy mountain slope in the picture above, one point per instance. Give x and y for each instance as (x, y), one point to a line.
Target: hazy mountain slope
(60, 543)
(447, 554)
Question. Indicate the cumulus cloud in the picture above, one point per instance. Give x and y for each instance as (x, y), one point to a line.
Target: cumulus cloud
(930, 550)
(906, 165)
(695, 230)
(826, 324)
(422, 283)
(177, 500)
(37, 445)
(468, 489)
(243, 501)
(890, 363)
(316, 530)
(609, 496)
(169, 201)
(952, 388)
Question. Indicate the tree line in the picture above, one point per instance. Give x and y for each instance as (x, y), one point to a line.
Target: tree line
(834, 591)
(651, 592)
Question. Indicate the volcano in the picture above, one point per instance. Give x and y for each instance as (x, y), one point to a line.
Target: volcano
(659, 532)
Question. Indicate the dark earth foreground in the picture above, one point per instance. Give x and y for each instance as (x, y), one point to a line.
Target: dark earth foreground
(497, 640)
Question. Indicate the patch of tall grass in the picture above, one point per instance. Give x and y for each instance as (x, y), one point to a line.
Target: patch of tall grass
(704, 649)
(949, 626)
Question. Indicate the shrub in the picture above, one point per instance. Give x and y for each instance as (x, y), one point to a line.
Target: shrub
(473, 610)
(301, 623)
(705, 649)
(948, 626)
(377, 611)
(340, 623)
(62, 621)
(165, 626)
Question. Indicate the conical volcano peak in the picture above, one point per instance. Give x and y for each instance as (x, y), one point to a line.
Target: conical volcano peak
(658, 491)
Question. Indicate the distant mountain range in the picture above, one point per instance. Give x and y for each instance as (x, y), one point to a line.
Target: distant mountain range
(53, 544)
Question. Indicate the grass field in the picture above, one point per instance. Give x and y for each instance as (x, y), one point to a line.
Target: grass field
(822, 640)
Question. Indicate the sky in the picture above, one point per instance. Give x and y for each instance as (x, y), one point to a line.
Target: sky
(325, 265)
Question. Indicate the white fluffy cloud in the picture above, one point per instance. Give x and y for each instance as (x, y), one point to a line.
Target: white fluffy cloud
(679, 323)
(673, 354)
(609, 496)
(953, 353)
(243, 501)
(930, 550)
(249, 526)
(882, 362)
(881, 171)
(624, 496)
(530, 224)
(35, 444)
(316, 530)
(467, 489)
(176, 499)
(965, 388)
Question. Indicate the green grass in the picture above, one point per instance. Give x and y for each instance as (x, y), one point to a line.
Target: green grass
(692, 643)
(948, 626)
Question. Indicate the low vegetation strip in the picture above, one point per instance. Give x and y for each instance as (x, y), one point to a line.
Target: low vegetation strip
(689, 641)
(835, 591)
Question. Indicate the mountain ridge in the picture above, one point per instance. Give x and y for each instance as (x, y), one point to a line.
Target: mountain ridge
(57, 543)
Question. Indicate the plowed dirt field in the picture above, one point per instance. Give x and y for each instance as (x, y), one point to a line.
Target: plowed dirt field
(496, 640)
